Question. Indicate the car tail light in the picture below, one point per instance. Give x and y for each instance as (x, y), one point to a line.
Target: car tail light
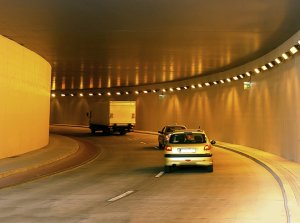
(207, 147)
(168, 148)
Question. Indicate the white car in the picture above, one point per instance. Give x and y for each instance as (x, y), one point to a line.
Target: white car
(188, 147)
(164, 134)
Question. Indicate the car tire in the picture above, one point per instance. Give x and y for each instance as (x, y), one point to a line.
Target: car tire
(210, 168)
(168, 169)
(122, 132)
(160, 146)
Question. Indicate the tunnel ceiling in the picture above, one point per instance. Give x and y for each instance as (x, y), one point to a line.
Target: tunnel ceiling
(111, 43)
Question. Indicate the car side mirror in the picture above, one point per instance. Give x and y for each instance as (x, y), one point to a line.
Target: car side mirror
(213, 142)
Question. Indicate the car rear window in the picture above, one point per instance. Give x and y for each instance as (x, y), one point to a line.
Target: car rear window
(187, 138)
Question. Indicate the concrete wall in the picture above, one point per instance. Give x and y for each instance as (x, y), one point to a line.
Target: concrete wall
(25, 99)
(265, 117)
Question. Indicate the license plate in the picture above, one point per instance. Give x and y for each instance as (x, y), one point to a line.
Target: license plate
(187, 150)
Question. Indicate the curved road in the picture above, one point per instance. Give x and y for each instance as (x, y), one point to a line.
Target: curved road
(125, 183)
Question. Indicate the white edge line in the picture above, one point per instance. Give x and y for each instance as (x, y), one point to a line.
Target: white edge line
(160, 174)
(121, 196)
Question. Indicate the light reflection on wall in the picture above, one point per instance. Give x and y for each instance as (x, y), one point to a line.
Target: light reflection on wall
(171, 69)
(63, 83)
(91, 82)
(199, 67)
(109, 79)
(118, 74)
(137, 75)
(53, 87)
(100, 82)
(81, 82)
(72, 82)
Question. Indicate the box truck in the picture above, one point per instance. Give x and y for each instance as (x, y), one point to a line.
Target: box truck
(112, 116)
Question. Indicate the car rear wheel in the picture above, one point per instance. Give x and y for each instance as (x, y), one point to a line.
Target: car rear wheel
(168, 169)
(160, 146)
(210, 168)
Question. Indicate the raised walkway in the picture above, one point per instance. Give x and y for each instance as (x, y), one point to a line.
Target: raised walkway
(62, 153)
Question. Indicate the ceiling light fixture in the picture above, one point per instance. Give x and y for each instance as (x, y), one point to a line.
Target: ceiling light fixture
(285, 56)
(264, 67)
(293, 50)
(277, 60)
(257, 70)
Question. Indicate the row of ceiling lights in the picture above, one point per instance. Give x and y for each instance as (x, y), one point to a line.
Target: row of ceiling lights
(293, 50)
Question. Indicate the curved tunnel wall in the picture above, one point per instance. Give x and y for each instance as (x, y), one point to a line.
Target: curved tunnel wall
(25, 99)
(265, 117)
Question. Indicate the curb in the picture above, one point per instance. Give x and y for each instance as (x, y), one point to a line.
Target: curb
(72, 148)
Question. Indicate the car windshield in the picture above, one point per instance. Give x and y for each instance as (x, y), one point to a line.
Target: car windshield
(187, 138)
(173, 128)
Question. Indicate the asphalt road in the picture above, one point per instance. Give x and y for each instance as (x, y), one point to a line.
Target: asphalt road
(126, 183)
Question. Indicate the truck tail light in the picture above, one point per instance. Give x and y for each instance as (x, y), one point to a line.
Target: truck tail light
(207, 147)
(168, 148)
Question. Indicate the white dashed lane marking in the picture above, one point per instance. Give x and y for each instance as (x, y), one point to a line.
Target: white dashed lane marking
(121, 196)
(160, 174)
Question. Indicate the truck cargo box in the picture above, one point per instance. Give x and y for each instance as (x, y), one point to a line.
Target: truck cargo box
(113, 116)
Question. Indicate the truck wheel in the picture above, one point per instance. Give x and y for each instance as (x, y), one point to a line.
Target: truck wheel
(210, 168)
(106, 132)
(122, 132)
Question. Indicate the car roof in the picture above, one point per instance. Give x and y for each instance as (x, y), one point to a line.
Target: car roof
(175, 125)
(189, 130)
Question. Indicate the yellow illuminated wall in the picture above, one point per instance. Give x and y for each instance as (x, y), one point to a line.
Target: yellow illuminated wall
(24, 92)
